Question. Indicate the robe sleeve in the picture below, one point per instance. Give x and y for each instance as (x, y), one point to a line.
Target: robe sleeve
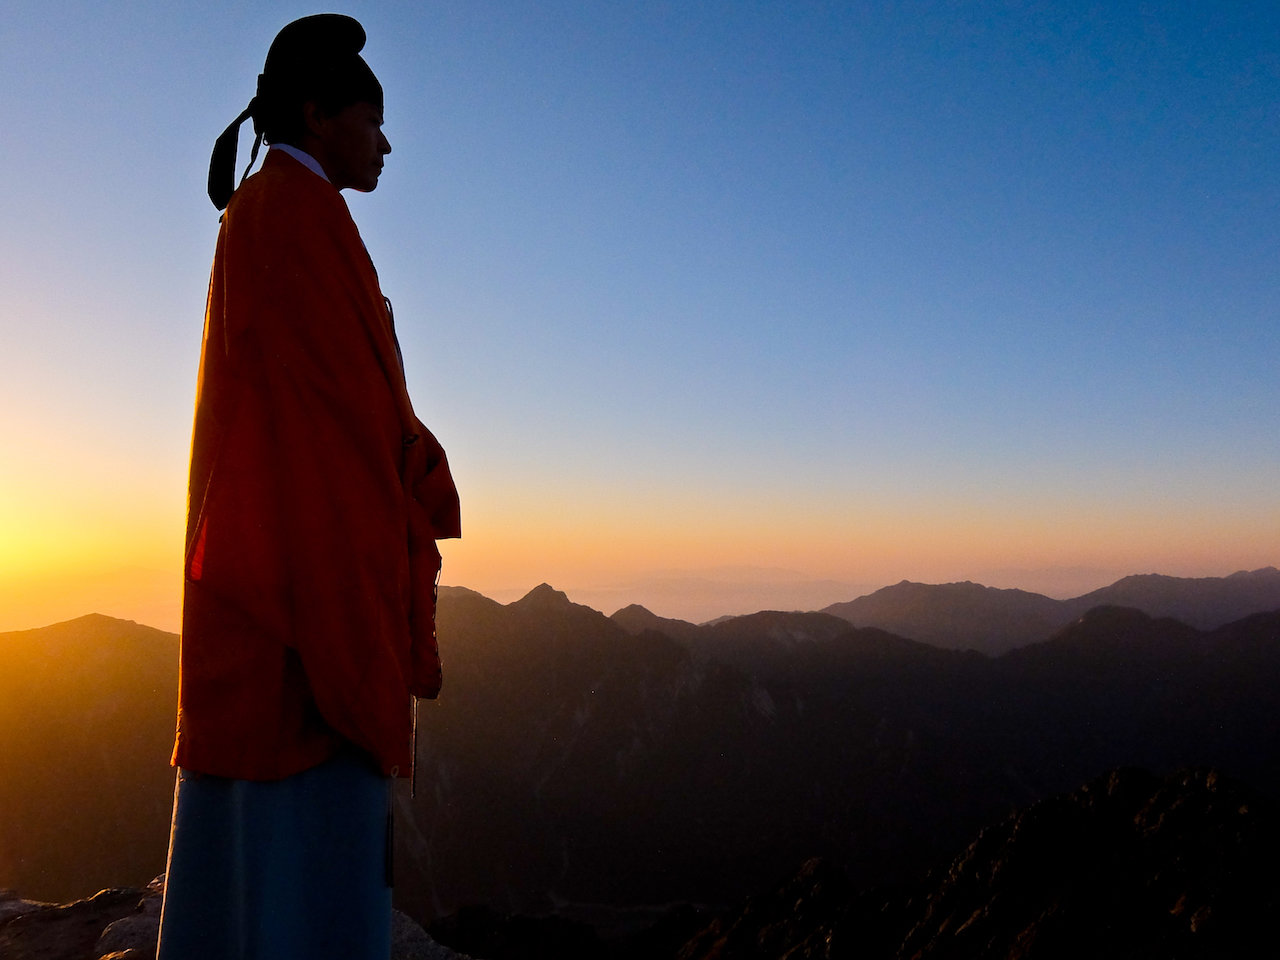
(433, 514)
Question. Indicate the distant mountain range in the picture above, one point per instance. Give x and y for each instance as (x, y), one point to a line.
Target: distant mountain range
(970, 616)
(605, 767)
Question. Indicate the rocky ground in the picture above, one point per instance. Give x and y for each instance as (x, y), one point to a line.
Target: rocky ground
(1131, 866)
(123, 923)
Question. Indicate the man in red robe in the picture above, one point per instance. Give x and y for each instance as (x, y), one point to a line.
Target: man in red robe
(315, 500)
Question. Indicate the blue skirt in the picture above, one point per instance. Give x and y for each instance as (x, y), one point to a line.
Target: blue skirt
(273, 870)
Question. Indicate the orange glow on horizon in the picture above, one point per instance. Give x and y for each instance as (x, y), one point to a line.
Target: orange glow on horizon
(85, 530)
(68, 548)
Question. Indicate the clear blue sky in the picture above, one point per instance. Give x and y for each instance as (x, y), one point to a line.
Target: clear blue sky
(853, 292)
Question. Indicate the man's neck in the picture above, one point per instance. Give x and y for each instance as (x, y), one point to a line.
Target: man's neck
(304, 158)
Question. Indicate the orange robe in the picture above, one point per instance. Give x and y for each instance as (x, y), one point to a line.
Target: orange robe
(315, 500)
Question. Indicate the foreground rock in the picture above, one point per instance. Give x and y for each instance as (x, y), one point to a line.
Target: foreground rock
(123, 924)
(49, 931)
(1129, 866)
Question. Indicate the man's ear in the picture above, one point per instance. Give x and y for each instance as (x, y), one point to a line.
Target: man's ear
(313, 118)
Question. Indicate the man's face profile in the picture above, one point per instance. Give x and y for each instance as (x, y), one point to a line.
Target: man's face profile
(349, 144)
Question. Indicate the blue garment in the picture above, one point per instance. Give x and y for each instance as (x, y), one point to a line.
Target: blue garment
(280, 869)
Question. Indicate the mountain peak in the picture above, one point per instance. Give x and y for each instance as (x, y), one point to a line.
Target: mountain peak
(636, 619)
(635, 610)
(544, 595)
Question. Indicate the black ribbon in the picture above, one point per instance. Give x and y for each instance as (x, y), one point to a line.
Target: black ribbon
(222, 162)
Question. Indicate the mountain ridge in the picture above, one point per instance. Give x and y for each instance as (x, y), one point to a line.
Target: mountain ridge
(991, 620)
(904, 608)
(564, 743)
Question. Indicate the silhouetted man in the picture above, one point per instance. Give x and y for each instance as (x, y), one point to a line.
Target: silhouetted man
(315, 500)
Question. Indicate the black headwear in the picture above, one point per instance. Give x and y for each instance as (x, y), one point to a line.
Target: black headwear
(316, 58)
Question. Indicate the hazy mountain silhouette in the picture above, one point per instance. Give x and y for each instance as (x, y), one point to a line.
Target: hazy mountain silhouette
(971, 616)
(1205, 602)
(86, 729)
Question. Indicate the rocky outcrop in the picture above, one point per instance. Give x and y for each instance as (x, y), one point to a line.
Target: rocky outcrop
(794, 921)
(1129, 866)
(69, 931)
(124, 924)
(12, 905)
(133, 937)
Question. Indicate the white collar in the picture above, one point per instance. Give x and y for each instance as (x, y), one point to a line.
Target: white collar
(304, 158)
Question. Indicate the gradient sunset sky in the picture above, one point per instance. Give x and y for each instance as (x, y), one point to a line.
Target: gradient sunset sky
(715, 305)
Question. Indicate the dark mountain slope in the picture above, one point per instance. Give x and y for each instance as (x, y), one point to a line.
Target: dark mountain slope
(1129, 866)
(86, 729)
(760, 641)
(557, 755)
(563, 746)
(1118, 687)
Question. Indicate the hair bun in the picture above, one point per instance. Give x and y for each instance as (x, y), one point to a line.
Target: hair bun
(312, 41)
